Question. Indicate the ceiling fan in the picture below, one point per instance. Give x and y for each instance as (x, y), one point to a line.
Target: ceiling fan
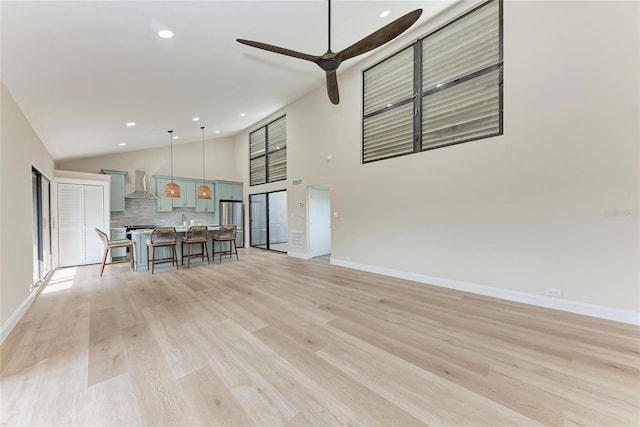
(330, 61)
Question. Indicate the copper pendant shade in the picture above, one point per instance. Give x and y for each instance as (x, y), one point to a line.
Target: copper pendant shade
(204, 192)
(171, 190)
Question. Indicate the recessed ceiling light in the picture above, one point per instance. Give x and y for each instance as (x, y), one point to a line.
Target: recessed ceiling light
(243, 114)
(217, 131)
(385, 14)
(439, 84)
(131, 124)
(195, 119)
(176, 137)
(122, 144)
(165, 34)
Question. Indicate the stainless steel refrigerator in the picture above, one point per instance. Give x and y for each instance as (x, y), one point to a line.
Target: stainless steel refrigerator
(231, 212)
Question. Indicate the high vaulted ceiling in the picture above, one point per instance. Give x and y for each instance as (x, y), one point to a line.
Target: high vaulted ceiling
(80, 70)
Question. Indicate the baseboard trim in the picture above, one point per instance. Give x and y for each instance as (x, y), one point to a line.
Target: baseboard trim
(16, 316)
(300, 255)
(602, 312)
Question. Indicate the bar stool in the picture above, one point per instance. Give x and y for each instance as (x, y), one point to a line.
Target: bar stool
(162, 237)
(114, 244)
(196, 234)
(227, 233)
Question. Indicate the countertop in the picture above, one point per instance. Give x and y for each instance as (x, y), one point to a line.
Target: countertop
(179, 229)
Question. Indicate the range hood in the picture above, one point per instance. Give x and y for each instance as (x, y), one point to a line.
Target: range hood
(141, 188)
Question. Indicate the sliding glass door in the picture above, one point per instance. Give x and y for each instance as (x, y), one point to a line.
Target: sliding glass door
(268, 219)
(41, 196)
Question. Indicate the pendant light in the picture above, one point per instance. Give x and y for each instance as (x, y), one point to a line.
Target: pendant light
(204, 192)
(171, 190)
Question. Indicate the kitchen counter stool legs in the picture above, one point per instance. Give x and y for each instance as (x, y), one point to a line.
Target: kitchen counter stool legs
(227, 233)
(196, 234)
(162, 237)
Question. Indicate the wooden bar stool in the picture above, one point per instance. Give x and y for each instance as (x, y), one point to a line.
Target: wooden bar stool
(114, 244)
(162, 237)
(227, 233)
(196, 234)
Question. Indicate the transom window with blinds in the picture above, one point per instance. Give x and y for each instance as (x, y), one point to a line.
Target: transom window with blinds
(444, 89)
(268, 152)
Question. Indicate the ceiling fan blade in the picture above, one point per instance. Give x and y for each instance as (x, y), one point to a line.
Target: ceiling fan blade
(279, 50)
(380, 37)
(332, 87)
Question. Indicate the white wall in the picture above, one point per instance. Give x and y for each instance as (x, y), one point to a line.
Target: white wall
(187, 162)
(538, 207)
(20, 149)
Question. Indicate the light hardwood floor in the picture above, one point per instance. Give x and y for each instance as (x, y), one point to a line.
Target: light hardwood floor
(272, 340)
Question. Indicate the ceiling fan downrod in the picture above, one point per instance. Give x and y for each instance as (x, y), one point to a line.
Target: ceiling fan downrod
(330, 61)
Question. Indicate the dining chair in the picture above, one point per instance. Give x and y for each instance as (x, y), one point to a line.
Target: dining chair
(114, 244)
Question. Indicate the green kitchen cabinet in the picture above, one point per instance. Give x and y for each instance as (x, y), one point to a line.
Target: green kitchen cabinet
(117, 189)
(207, 205)
(187, 194)
(229, 190)
(163, 204)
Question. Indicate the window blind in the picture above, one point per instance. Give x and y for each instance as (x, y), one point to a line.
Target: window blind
(257, 157)
(463, 112)
(268, 153)
(389, 82)
(444, 89)
(388, 134)
(277, 146)
(463, 47)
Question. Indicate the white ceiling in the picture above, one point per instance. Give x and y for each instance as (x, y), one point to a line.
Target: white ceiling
(79, 70)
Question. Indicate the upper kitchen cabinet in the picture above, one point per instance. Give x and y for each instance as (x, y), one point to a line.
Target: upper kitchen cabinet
(207, 205)
(187, 194)
(117, 189)
(228, 190)
(163, 204)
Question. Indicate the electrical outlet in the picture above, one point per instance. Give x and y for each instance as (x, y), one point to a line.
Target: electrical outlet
(553, 292)
(347, 258)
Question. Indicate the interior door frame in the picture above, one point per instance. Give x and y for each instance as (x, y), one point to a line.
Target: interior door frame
(310, 205)
(43, 226)
(106, 226)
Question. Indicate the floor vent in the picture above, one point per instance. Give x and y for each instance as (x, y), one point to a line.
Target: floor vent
(296, 239)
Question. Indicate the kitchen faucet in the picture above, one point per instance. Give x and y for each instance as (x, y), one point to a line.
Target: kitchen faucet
(184, 219)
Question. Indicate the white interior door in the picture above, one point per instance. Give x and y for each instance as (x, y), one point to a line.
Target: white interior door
(70, 225)
(93, 206)
(319, 222)
(80, 210)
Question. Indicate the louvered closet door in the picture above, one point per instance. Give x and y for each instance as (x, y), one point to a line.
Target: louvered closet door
(70, 225)
(80, 210)
(93, 198)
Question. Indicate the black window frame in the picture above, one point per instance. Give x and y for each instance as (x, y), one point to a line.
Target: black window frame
(266, 153)
(419, 93)
(267, 247)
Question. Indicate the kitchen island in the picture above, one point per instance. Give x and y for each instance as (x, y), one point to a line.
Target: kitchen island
(139, 239)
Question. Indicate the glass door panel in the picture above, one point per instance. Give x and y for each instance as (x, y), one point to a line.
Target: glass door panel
(277, 217)
(268, 221)
(258, 220)
(41, 199)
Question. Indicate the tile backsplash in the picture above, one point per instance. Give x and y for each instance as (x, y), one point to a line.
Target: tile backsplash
(144, 212)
